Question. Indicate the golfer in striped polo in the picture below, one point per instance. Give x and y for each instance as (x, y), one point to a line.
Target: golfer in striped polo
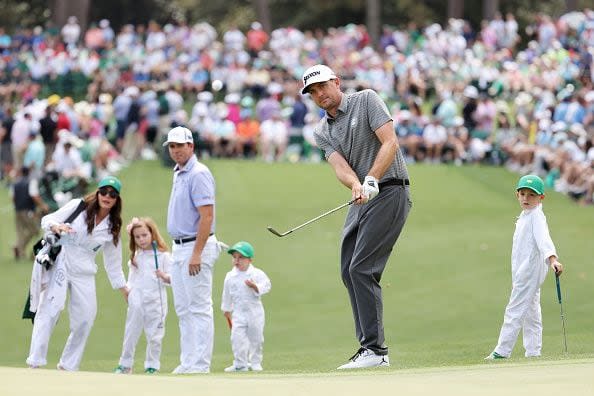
(358, 138)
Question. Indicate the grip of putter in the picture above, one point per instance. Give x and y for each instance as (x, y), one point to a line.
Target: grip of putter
(154, 245)
(229, 323)
(558, 288)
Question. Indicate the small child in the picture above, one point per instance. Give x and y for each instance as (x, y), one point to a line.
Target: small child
(147, 301)
(241, 305)
(532, 250)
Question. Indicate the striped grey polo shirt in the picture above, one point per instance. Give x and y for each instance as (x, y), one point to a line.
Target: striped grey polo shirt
(352, 134)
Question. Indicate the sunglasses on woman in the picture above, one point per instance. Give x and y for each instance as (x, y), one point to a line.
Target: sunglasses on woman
(107, 191)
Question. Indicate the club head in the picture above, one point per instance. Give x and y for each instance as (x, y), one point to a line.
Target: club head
(275, 232)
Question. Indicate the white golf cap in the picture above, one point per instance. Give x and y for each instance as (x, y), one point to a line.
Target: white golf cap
(316, 74)
(179, 135)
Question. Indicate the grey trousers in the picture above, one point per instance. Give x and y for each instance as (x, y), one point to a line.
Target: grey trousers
(369, 234)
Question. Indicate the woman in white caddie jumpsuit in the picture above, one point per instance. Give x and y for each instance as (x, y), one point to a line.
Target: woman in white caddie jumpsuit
(96, 229)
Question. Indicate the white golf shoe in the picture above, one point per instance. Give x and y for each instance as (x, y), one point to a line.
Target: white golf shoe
(256, 367)
(366, 358)
(235, 369)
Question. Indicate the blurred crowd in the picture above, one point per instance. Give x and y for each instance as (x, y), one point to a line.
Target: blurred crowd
(77, 105)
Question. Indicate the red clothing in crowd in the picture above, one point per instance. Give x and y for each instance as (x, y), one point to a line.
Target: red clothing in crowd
(63, 122)
(256, 39)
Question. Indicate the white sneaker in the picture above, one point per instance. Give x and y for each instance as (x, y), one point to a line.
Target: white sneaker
(366, 358)
(234, 369)
(256, 367)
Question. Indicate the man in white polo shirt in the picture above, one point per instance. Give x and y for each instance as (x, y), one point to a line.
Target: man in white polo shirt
(191, 225)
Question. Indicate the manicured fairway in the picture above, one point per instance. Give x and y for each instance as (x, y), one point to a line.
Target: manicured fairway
(552, 378)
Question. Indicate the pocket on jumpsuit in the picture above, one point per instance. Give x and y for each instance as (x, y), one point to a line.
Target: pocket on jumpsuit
(56, 291)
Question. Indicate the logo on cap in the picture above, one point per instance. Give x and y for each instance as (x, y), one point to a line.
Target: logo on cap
(310, 75)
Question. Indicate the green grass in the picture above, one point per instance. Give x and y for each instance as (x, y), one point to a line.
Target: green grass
(445, 287)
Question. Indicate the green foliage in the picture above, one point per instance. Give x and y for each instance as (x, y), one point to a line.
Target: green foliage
(445, 286)
(305, 14)
(24, 13)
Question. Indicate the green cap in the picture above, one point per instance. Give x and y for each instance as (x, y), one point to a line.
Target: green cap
(532, 182)
(243, 248)
(111, 181)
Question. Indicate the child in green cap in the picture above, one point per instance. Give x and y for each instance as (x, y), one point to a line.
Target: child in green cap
(533, 252)
(241, 305)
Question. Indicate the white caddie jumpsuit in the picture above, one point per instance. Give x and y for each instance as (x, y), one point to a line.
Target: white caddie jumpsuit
(247, 332)
(531, 247)
(147, 308)
(73, 272)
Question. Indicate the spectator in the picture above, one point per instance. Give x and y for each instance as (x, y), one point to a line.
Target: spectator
(6, 158)
(27, 205)
(23, 126)
(297, 122)
(273, 138)
(248, 131)
(71, 32)
(435, 136)
(257, 39)
(49, 132)
(34, 157)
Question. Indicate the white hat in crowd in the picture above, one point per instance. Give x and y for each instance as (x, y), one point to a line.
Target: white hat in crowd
(471, 92)
(132, 91)
(316, 74)
(179, 135)
(559, 126)
(205, 96)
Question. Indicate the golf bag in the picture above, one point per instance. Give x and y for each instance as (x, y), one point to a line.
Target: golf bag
(46, 251)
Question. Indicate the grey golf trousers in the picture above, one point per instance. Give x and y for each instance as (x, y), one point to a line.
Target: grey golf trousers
(369, 234)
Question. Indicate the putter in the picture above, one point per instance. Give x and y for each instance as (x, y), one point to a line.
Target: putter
(278, 234)
(154, 244)
(562, 315)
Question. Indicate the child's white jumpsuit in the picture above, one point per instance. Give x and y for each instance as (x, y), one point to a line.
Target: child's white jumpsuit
(247, 333)
(147, 308)
(73, 272)
(532, 245)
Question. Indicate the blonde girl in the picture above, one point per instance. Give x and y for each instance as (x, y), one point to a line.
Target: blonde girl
(149, 265)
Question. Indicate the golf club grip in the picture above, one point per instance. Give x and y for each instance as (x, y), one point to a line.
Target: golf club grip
(558, 288)
(154, 245)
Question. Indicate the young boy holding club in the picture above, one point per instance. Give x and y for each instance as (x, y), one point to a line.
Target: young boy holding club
(244, 286)
(533, 252)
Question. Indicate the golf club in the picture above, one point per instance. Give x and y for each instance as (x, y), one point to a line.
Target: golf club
(562, 315)
(154, 244)
(278, 234)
